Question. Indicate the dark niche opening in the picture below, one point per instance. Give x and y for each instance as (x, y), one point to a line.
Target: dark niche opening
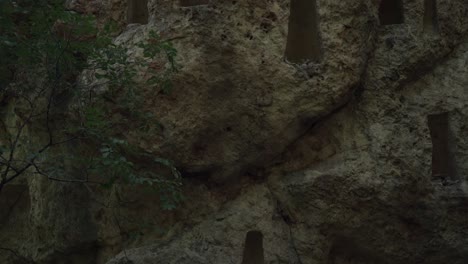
(137, 11)
(347, 250)
(253, 248)
(431, 22)
(188, 3)
(391, 12)
(303, 42)
(443, 165)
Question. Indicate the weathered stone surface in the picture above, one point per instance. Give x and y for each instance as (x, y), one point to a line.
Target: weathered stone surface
(14, 207)
(367, 192)
(355, 183)
(232, 56)
(45, 221)
(358, 187)
(355, 189)
(220, 238)
(236, 103)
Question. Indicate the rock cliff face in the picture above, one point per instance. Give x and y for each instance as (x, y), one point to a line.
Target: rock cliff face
(351, 148)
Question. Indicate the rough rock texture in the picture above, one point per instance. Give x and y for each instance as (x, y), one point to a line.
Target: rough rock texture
(236, 102)
(356, 189)
(368, 187)
(344, 142)
(220, 238)
(41, 220)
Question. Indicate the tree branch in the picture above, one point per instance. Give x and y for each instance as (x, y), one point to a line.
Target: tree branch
(17, 255)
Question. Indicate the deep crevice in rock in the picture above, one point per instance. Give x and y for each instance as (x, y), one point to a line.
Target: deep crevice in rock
(303, 42)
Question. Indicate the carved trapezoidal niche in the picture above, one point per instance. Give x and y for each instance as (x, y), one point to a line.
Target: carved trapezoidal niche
(188, 3)
(431, 22)
(137, 11)
(303, 42)
(253, 248)
(391, 12)
(443, 166)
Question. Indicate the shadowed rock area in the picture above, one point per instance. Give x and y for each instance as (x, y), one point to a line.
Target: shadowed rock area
(307, 132)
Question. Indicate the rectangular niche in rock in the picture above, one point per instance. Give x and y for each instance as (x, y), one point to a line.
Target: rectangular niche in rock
(443, 165)
(137, 11)
(391, 12)
(189, 3)
(253, 248)
(304, 43)
(431, 22)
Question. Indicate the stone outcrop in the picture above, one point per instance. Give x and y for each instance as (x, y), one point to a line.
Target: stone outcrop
(357, 188)
(237, 102)
(333, 158)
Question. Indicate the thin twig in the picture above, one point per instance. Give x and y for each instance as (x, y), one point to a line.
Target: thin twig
(17, 255)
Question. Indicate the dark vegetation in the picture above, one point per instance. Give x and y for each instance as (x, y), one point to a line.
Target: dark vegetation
(65, 88)
(62, 81)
